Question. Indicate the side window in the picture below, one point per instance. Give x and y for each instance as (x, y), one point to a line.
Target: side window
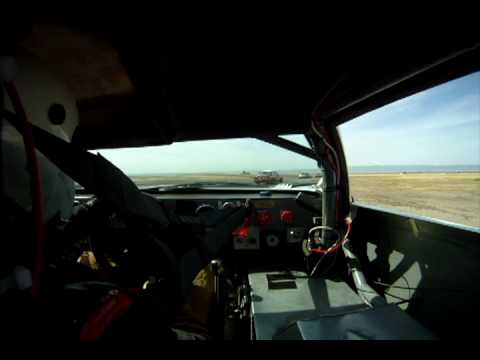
(420, 155)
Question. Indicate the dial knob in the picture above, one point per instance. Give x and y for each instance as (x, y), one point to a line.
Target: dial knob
(272, 240)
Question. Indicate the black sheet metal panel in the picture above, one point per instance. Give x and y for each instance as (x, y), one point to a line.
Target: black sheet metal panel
(440, 260)
(275, 307)
(386, 322)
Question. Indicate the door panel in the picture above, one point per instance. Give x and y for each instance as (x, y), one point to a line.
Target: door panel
(439, 259)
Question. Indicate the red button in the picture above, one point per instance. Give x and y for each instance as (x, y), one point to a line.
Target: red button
(244, 230)
(264, 218)
(287, 216)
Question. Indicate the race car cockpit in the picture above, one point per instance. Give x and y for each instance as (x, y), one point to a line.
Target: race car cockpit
(92, 254)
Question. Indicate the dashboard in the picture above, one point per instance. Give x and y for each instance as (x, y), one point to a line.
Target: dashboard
(279, 221)
(279, 225)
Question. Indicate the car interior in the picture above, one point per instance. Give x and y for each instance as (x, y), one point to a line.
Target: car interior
(266, 261)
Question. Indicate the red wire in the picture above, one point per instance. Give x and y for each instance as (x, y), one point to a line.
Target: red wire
(318, 251)
(337, 245)
(35, 185)
(337, 170)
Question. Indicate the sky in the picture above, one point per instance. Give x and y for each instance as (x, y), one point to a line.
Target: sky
(234, 155)
(439, 126)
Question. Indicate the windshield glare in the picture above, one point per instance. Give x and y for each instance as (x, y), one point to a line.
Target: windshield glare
(243, 162)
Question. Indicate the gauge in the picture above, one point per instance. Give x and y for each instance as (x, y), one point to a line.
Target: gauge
(228, 205)
(204, 208)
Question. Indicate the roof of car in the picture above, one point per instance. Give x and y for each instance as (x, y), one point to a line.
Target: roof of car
(137, 85)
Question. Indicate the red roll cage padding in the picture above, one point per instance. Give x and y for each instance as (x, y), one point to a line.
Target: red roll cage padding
(100, 320)
(36, 186)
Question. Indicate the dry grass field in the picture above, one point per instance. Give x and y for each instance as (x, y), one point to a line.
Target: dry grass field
(453, 197)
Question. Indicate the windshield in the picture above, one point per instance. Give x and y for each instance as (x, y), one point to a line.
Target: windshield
(245, 162)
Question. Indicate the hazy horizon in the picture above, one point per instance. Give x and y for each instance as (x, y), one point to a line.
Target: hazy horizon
(354, 169)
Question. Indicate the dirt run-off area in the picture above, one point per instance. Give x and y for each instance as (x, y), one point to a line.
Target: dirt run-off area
(453, 197)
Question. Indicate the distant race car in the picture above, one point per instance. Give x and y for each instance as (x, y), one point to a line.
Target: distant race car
(268, 177)
(304, 175)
